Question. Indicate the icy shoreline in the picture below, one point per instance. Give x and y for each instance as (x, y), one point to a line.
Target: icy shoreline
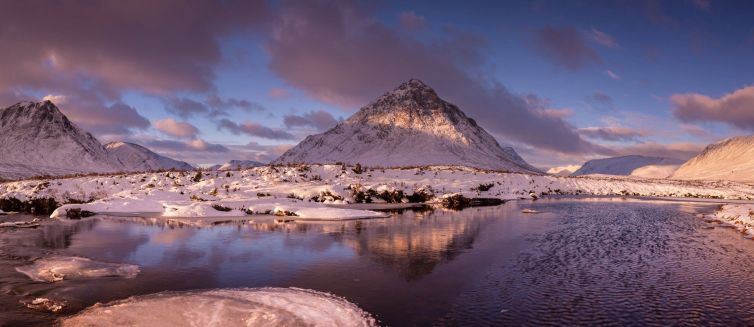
(318, 192)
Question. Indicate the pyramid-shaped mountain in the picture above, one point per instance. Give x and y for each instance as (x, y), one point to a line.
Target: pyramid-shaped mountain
(409, 126)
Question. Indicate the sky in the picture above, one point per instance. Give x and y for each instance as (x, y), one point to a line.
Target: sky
(560, 81)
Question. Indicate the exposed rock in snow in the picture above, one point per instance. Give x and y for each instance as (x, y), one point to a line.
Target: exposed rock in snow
(563, 170)
(37, 139)
(623, 166)
(409, 126)
(731, 159)
(53, 269)
(227, 307)
(135, 157)
(237, 165)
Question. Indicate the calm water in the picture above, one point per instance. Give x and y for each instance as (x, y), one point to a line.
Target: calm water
(607, 261)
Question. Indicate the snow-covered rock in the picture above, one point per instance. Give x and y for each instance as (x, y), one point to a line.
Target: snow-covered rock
(409, 126)
(625, 166)
(237, 165)
(135, 157)
(731, 159)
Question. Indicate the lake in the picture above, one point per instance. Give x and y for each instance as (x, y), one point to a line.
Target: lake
(577, 261)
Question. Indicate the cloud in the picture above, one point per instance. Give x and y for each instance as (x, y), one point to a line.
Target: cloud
(338, 53)
(174, 128)
(96, 115)
(410, 20)
(734, 109)
(93, 52)
(195, 145)
(278, 93)
(212, 106)
(613, 133)
(600, 101)
(254, 129)
(603, 38)
(612, 75)
(565, 46)
(320, 120)
(155, 46)
(702, 4)
(682, 151)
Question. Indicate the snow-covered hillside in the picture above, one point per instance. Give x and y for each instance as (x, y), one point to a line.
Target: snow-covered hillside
(237, 165)
(409, 126)
(633, 165)
(135, 157)
(37, 139)
(306, 191)
(730, 159)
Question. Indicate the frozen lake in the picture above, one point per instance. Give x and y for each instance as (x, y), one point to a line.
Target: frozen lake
(579, 261)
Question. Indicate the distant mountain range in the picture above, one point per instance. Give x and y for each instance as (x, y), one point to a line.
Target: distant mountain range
(632, 165)
(37, 139)
(237, 165)
(409, 126)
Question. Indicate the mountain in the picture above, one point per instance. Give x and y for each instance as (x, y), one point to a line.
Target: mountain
(633, 165)
(563, 170)
(37, 139)
(135, 157)
(409, 126)
(237, 164)
(731, 159)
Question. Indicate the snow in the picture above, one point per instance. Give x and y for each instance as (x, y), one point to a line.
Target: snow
(227, 307)
(237, 165)
(739, 216)
(324, 191)
(135, 157)
(563, 170)
(37, 139)
(410, 126)
(625, 165)
(57, 268)
(655, 171)
(731, 159)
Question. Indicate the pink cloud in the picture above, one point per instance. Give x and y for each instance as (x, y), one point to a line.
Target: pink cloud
(734, 108)
(175, 128)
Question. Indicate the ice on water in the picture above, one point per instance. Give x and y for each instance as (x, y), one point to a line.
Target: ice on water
(227, 307)
(57, 268)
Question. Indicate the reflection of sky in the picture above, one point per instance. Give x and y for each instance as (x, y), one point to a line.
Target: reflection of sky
(229, 252)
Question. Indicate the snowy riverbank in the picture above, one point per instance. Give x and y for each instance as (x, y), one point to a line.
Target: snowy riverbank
(313, 192)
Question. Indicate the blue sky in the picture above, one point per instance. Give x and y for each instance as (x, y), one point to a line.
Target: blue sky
(561, 81)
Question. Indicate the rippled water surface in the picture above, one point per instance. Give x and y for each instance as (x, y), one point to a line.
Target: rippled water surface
(606, 261)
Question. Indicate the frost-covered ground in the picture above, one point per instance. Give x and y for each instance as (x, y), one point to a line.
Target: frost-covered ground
(739, 216)
(320, 191)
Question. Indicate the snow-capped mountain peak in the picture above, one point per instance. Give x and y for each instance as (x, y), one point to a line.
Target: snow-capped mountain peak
(409, 126)
(36, 138)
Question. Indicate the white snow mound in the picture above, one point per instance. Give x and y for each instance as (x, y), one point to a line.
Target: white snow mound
(54, 269)
(227, 307)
